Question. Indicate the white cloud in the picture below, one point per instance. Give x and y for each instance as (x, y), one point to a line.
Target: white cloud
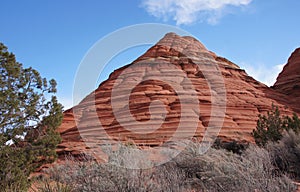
(190, 11)
(263, 73)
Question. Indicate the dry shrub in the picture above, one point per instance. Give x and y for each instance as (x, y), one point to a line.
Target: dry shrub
(216, 170)
(286, 154)
(219, 170)
(94, 177)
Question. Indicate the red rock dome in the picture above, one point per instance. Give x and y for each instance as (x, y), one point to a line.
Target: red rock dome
(246, 98)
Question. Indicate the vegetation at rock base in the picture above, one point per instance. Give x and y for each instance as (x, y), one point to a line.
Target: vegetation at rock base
(280, 136)
(216, 170)
(270, 127)
(285, 154)
(237, 147)
(28, 122)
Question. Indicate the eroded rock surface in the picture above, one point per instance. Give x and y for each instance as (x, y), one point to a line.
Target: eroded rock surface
(173, 63)
(288, 81)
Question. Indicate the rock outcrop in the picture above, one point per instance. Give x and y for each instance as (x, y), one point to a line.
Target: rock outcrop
(154, 76)
(288, 81)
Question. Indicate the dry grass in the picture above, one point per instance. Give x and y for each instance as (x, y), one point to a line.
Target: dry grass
(216, 170)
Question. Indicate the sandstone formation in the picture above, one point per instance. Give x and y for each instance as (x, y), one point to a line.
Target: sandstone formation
(152, 123)
(288, 81)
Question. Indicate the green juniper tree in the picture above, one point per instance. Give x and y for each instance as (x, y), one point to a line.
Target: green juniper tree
(29, 117)
(270, 127)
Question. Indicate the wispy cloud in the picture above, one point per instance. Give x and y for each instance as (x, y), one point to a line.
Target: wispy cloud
(190, 11)
(263, 73)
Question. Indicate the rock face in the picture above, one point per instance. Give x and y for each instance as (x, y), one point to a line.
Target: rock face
(288, 81)
(131, 113)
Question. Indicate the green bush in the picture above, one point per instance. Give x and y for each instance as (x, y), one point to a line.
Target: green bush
(270, 127)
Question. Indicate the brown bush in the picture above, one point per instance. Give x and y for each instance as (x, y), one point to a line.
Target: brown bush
(286, 154)
(216, 170)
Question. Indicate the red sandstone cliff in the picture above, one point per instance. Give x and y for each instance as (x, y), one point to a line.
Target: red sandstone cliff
(288, 81)
(245, 97)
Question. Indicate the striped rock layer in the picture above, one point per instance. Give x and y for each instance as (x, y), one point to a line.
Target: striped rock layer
(177, 88)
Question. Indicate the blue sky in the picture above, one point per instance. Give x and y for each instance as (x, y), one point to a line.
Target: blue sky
(53, 36)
